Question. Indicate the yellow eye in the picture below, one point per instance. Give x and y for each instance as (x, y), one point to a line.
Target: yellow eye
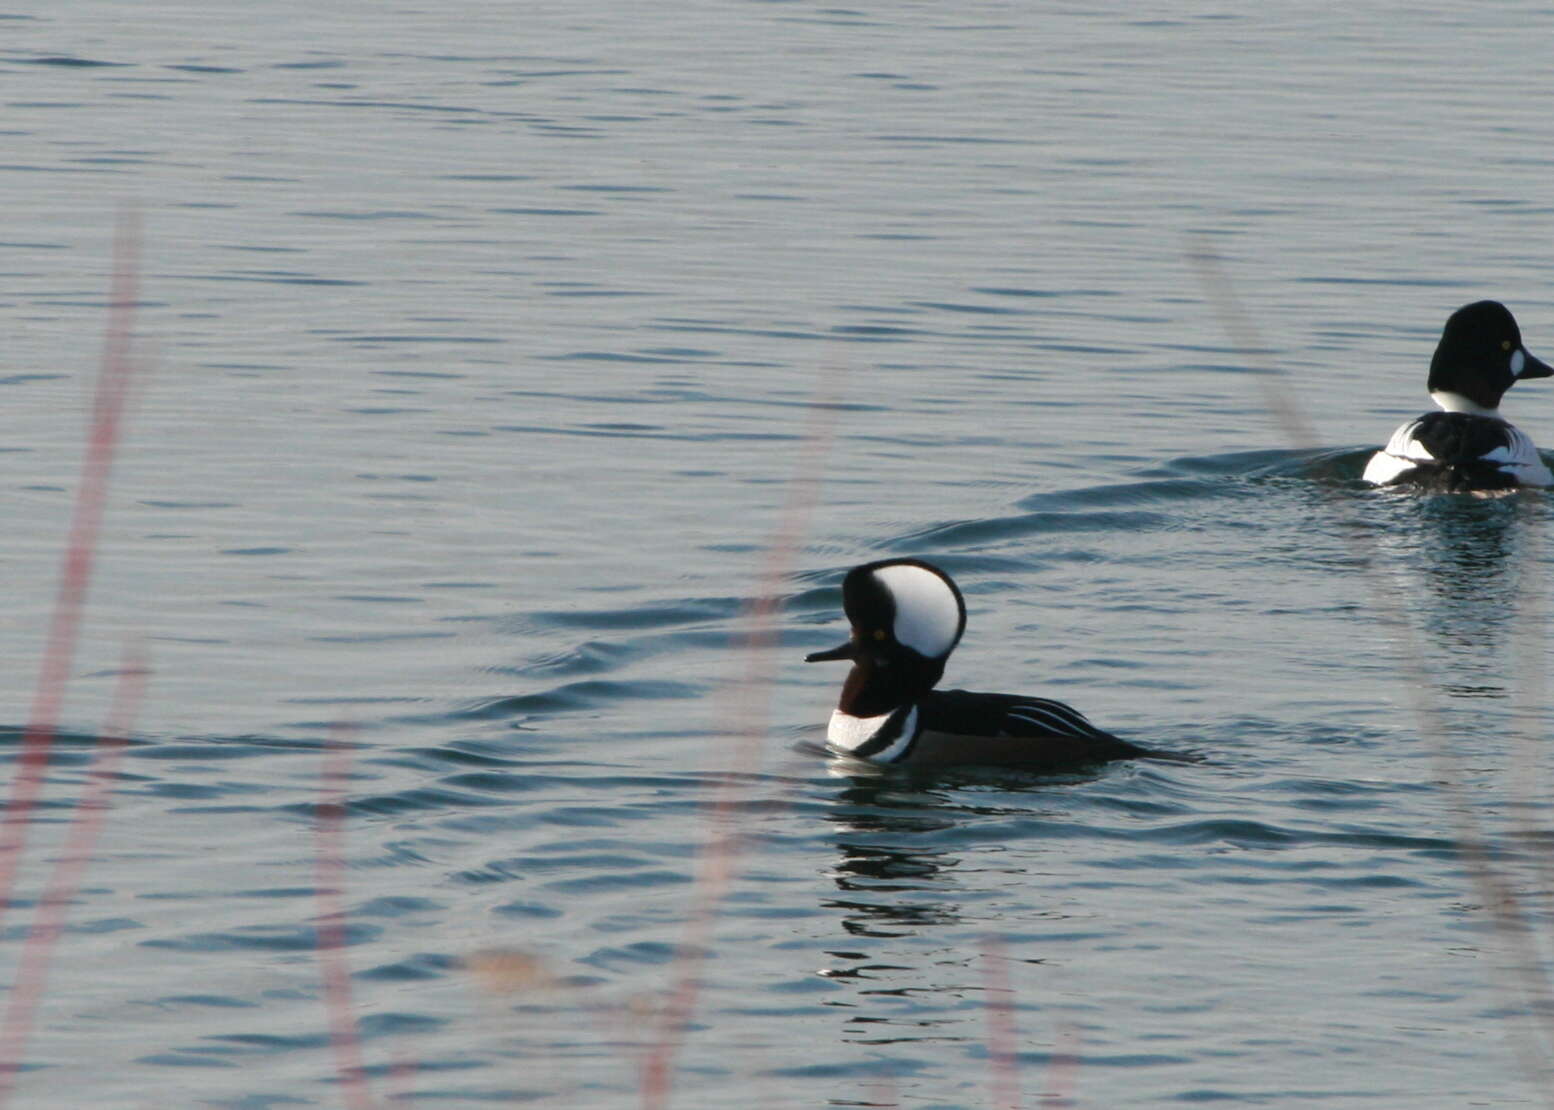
(879, 633)
(1505, 344)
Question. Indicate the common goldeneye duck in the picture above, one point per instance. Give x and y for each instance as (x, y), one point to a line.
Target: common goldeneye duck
(1468, 446)
(907, 616)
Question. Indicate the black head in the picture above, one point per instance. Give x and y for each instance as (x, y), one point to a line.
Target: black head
(1480, 356)
(906, 616)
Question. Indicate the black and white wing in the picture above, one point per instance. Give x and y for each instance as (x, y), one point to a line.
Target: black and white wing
(1519, 456)
(1402, 455)
(1008, 728)
(1045, 717)
(1459, 450)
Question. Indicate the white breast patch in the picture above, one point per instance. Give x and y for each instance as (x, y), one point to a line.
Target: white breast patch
(848, 733)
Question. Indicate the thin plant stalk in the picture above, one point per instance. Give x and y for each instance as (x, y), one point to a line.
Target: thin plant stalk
(91, 813)
(1062, 1070)
(748, 717)
(882, 1093)
(1533, 988)
(329, 891)
(1003, 1037)
(114, 379)
(401, 1077)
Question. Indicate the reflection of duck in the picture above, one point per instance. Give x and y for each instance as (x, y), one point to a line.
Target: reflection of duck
(907, 616)
(894, 878)
(1467, 550)
(1468, 446)
(908, 884)
(880, 839)
(1460, 562)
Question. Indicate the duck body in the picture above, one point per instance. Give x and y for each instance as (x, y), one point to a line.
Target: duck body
(1458, 452)
(1468, 446)
(951, 727)
(907, 616)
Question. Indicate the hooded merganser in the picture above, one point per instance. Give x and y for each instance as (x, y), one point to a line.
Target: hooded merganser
(1468, 446)
(907, 616)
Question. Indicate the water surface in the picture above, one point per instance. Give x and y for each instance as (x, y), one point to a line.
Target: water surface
(488, 345)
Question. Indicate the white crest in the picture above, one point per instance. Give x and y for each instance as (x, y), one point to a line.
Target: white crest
(928, 614)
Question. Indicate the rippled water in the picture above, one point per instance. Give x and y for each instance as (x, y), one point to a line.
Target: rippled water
(490, 342)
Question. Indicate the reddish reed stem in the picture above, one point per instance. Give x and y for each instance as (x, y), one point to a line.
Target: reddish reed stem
(91, 813)
(747, 716)
(1062, 1069)
(1003, 1038)
(329, 885)
(1533, 987)
(113, 382)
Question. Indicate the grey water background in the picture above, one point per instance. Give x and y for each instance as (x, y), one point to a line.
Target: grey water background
(486, 340)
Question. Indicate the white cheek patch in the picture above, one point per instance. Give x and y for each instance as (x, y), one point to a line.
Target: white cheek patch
(928, 614)
(1518, 360)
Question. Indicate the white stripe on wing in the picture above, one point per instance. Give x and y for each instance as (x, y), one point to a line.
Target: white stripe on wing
(1055, 716)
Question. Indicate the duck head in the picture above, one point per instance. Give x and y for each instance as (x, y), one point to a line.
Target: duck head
(1479, 357)
(906, 616)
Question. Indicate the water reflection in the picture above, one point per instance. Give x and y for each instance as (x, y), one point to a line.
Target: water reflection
(911, 860)
(893, 879)
(1466, 570)
(898, 887)
(1468, 547)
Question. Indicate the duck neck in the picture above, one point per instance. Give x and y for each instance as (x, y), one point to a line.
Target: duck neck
(874, 689)
(1452, 401)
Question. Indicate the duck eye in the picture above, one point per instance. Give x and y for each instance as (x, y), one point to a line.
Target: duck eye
(1505, 344)
(879, 633)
